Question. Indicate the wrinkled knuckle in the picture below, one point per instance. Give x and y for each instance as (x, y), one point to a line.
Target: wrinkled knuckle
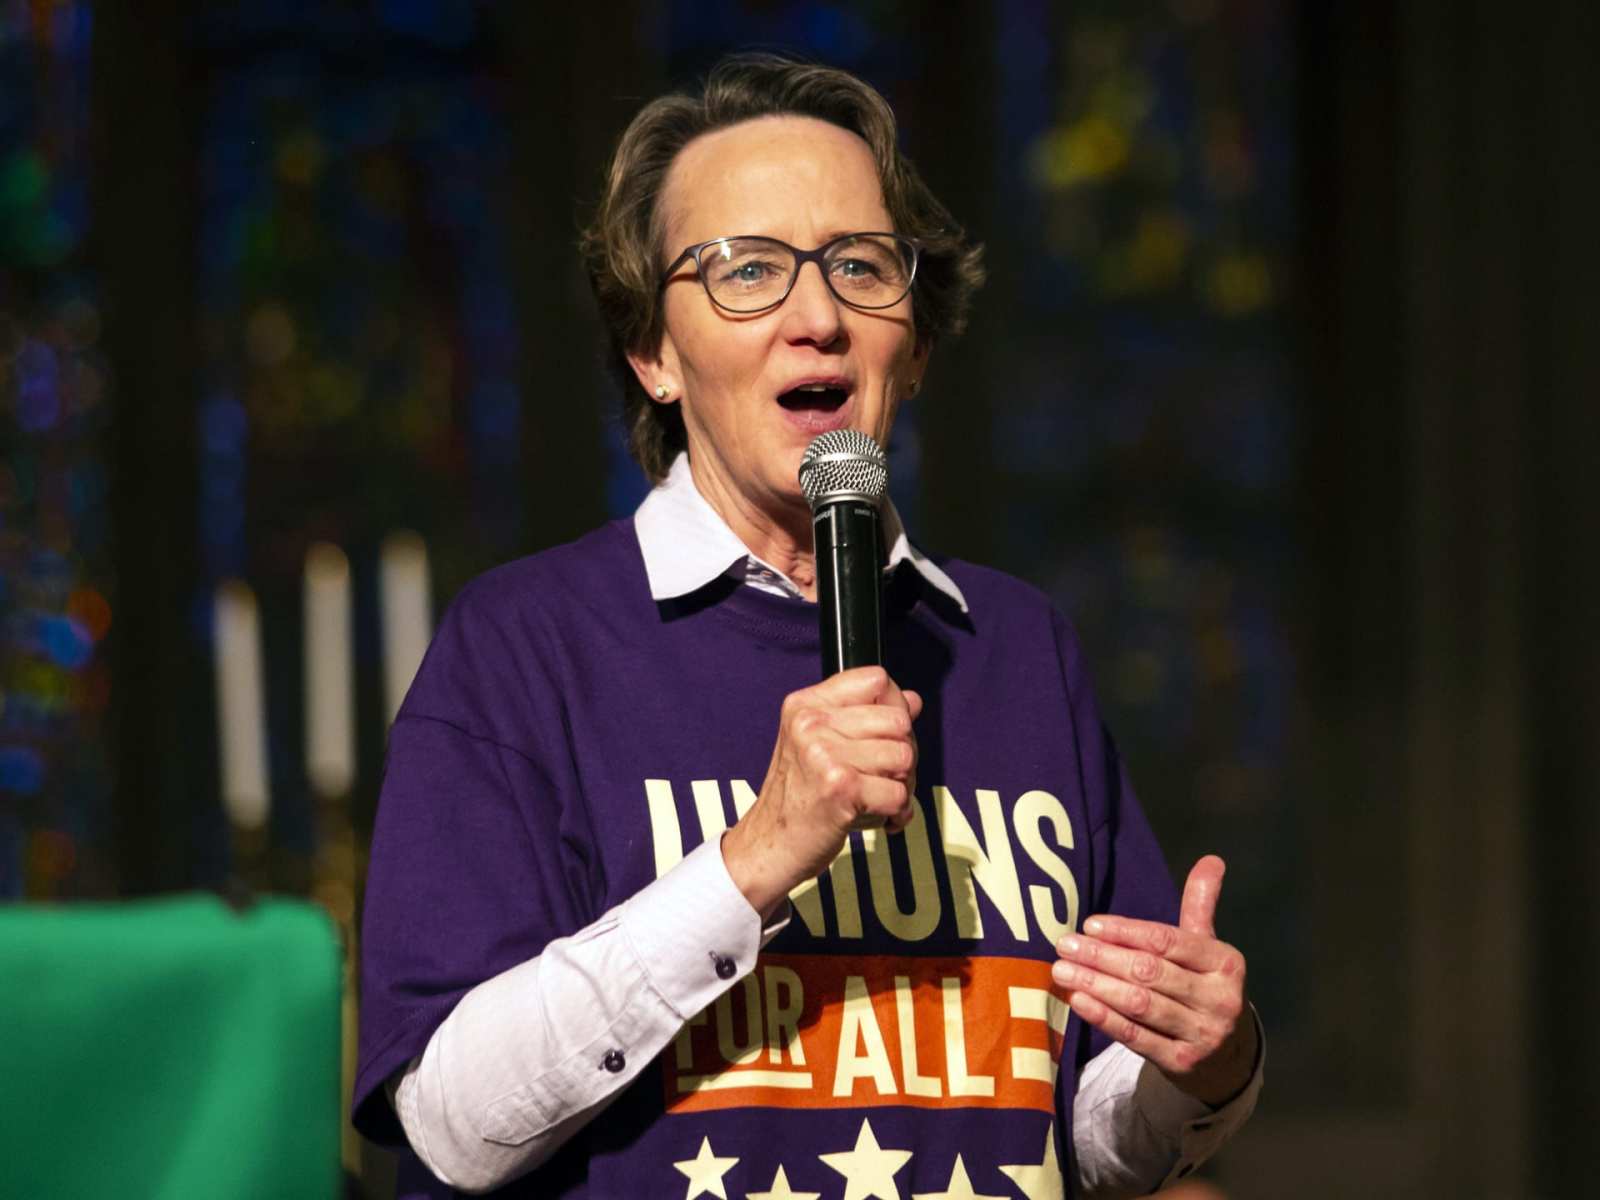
(837, 779)
(1164, 939)
(806, 721)
(1233, 964)
(1139, 1001)
(875, 675)
(1185, 1058)
(1127, 1033)
(1146, 967)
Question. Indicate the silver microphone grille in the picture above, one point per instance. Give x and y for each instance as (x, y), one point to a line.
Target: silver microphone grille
(843, 463)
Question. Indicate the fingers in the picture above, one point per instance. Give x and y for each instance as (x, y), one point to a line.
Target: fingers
(892, 759)
(1138, 1004)
(1193, 951)
(859, 685)
(1173, 993)
(859, 719)
(872, 721)
(1192, 1025)
(1138, 967)
(883, 803)
(1209, 1055)
(1167, 1053)
(850, 744)
(1200, 894)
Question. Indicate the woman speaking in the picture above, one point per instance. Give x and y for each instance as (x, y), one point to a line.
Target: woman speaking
(652, 911)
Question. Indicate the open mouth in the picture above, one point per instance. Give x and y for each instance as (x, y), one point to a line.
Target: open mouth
(814, 397)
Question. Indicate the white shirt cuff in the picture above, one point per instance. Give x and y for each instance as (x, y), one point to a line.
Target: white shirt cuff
(694, 932)
(1134, 1130)
(527, 1057)
(1200, 1130)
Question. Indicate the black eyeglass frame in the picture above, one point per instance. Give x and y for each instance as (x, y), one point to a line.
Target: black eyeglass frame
(801, 258)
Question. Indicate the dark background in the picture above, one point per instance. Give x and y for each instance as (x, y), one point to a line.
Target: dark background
(1283, 386)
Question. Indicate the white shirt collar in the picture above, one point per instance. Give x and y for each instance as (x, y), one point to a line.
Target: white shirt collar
(686, 544)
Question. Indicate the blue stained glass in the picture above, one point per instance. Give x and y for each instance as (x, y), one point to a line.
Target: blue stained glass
(444, 22)
(66, 642)
(321, 187)
(54, 560)
(21, 770)
(37, 394)
(223, 426)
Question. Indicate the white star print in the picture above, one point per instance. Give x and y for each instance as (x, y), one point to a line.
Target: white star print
(868, 1170)
(780, 1191)
(959, 1187)
(705, 1171)
(1039, 1181)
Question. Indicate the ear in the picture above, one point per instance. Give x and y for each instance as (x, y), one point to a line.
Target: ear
(920, 353)
(659, 370)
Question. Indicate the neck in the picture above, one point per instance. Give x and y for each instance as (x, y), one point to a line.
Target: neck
(779, 536)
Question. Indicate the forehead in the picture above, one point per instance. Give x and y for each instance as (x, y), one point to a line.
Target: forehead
(795, 178)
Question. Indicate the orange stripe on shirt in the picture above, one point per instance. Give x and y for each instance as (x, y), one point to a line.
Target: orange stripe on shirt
(821, 1031)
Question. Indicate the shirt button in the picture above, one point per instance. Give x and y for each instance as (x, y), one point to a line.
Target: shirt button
(726, 967)
(613, 1061)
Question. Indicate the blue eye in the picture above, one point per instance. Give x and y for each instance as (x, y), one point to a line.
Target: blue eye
(747, 273)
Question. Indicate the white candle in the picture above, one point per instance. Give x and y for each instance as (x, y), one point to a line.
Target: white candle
(241, 705)
(407, 612)
(330, 691)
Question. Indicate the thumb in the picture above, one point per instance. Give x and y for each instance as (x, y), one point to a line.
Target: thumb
(1200, 893)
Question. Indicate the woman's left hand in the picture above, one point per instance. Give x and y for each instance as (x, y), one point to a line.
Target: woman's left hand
(1173, 994)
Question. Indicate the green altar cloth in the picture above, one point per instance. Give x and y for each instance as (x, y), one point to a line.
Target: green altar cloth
(169, 1048)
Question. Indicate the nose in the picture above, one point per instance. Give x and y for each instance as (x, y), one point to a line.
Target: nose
(812, 311)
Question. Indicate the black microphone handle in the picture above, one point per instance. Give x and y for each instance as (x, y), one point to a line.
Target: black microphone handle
(849, 585)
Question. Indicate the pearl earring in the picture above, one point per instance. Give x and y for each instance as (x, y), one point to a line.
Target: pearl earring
(661, 391)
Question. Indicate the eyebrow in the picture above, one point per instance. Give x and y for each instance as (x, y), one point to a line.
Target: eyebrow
(827, 237)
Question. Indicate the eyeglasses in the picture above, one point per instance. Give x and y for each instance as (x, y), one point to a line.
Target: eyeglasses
(748, 274)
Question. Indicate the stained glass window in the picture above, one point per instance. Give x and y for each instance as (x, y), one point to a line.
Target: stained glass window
(1145, 443)
(57, 593)
(360, 363)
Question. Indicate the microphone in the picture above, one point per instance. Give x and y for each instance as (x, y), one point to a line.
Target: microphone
(844, 476)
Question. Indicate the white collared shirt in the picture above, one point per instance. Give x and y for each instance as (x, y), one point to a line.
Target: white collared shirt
(633, 977)
(686, 545)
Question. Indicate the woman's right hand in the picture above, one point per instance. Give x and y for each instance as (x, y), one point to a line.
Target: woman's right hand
(845, 759)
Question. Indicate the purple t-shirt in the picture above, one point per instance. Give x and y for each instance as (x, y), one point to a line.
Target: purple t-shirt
(561, 742)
